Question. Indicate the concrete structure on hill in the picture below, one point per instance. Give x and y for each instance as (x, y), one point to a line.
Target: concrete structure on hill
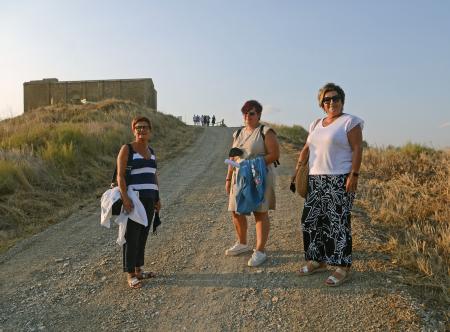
(50, 91)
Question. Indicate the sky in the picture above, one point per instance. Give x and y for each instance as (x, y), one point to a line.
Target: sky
(392, 58)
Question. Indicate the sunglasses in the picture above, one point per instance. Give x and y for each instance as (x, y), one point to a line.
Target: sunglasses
(251, 113)
(141, 127)
(335, 99)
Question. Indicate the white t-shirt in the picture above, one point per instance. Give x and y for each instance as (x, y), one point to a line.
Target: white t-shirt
(329, 150)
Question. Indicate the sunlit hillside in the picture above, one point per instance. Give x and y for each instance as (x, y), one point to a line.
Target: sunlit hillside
(55, 159)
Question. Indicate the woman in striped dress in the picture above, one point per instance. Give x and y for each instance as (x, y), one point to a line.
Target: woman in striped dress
(144, 180)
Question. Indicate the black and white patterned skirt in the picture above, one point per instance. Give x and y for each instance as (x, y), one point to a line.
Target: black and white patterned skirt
(326, 222)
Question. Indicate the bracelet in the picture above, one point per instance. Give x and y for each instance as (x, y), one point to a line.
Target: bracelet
(227, 180)
(355, 174)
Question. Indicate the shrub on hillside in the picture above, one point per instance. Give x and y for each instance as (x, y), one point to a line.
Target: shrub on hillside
(12, 177)
(295, 135)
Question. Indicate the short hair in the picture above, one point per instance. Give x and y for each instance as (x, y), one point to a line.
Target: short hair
(327, 88)
(140, 119)
(251, 104)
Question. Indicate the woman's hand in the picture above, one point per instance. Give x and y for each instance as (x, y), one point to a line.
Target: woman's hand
(158, 206)
(294, 176)
(352, 183)
(127, 204)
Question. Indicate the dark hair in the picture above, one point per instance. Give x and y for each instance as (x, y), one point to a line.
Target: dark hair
(327, 88)
(140, 119)
(251, 104)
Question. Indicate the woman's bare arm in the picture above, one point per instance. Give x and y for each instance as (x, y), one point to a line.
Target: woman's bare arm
(272, 147)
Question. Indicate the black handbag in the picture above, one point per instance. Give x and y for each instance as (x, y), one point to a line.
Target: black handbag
(117, 207)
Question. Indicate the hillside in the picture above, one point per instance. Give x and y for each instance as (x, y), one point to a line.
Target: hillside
(54, 160)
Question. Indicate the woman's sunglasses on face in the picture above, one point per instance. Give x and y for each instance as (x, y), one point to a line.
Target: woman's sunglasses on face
(251, 113)
(335, 99)
(139, 128)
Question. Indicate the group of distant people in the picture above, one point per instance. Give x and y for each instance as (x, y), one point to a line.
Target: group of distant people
(204, 120)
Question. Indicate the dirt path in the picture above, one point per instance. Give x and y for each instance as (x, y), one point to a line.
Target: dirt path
(69, 277)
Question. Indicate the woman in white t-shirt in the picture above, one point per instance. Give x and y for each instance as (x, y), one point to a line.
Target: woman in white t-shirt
(334, 148)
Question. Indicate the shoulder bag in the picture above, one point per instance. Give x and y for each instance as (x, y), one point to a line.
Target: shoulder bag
(301, 178)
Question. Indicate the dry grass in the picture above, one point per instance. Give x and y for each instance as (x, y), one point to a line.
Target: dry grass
(406, 192)
(54, 159)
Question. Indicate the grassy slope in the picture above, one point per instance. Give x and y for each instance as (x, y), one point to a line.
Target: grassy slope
(55, 159)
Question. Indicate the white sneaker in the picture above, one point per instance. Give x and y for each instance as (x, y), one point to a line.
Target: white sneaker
(237, 249)
(257, 258)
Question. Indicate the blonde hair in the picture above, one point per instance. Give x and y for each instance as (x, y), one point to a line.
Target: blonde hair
(327, 88)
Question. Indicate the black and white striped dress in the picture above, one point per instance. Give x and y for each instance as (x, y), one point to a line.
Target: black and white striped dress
(143, 175)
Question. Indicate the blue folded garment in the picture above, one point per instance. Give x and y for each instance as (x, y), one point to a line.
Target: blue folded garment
(250, 185)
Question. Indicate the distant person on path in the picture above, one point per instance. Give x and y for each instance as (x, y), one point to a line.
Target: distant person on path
(213, 120)
(334, 147)
(143, 179)
(254, 143)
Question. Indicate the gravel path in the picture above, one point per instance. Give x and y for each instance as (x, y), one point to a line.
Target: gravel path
(68, 278)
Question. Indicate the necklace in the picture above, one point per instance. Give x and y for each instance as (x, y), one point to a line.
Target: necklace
(246, 136)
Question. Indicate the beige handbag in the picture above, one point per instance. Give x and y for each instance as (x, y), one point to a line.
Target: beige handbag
(301, 178)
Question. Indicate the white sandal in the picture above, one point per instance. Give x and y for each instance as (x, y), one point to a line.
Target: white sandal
(332, 281)
(134, 283)
(311, 267)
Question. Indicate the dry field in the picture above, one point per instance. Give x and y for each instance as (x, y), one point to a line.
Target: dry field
(55, 159)
(405, 192)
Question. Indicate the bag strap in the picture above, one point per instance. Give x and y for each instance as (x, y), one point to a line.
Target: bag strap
(238, 132)
(314, 127)
(316, 123)
(261, 132)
